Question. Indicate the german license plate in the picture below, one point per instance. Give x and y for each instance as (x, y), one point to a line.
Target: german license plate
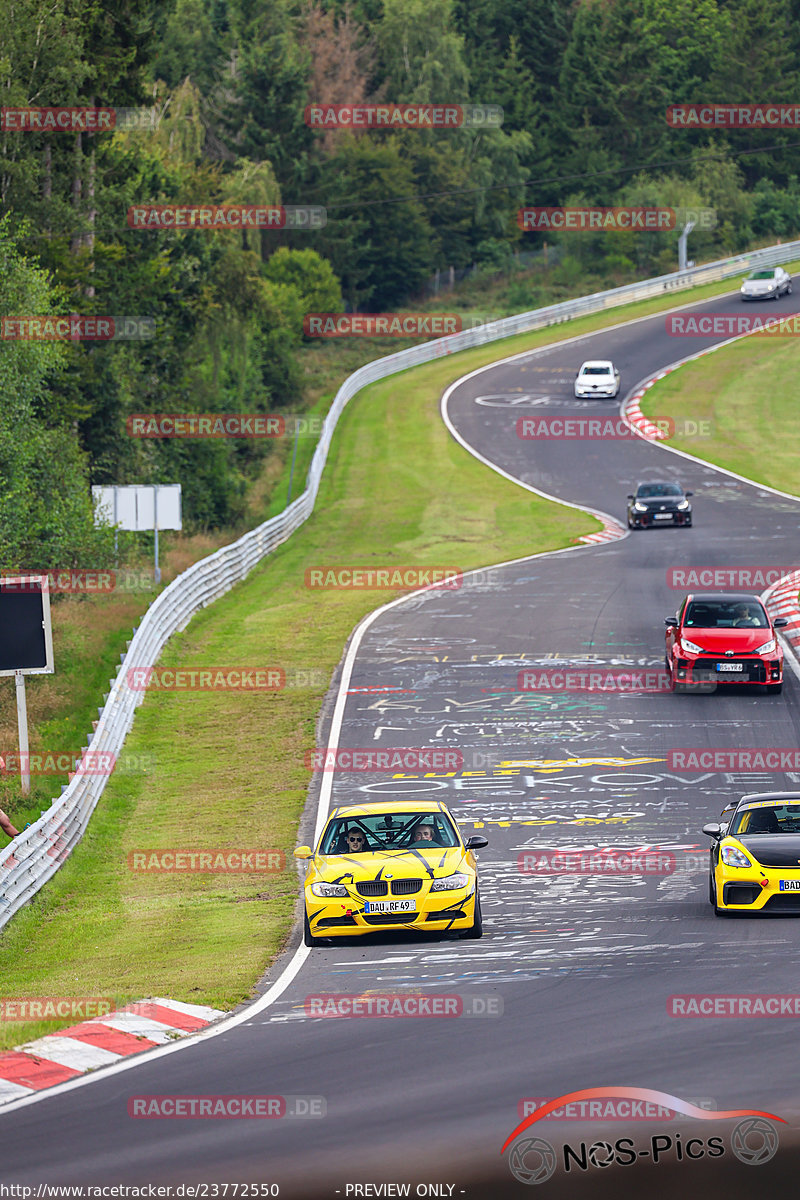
(790, 885)
(730, 666)
(663, 516)
(390, 906)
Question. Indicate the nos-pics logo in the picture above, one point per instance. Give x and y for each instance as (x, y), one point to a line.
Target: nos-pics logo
(534, 1160)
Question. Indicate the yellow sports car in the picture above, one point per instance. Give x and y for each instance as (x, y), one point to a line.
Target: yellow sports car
(755, 855)
(395, 865)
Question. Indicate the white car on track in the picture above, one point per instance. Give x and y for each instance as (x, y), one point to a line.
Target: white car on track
(597, 377)
(768, 283)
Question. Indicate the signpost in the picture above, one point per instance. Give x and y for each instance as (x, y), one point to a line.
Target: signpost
(26, 646)
(139, 508)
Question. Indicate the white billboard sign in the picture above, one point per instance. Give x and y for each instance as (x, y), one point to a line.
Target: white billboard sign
(140, 507)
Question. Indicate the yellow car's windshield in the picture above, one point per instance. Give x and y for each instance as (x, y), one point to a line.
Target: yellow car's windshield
(364, 834)
(773, 818)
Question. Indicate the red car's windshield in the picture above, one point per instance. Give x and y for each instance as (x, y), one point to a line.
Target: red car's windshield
(704, 614)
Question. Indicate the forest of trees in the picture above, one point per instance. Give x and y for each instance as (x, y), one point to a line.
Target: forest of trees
(584, 86)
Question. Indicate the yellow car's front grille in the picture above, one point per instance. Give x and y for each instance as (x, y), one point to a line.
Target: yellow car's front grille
(379, 887)
(372, 887)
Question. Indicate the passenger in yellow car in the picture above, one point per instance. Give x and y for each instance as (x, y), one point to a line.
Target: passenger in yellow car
(424, 837)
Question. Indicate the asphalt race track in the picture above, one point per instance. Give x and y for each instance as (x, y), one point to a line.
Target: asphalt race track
(572, 977)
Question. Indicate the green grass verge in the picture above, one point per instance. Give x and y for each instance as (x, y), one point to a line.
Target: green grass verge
(228, 768)
(744, 397)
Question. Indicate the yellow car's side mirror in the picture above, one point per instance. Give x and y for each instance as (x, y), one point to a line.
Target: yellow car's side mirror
(304, 852)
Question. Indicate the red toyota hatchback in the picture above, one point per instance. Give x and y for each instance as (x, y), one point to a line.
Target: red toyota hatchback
(720, 638)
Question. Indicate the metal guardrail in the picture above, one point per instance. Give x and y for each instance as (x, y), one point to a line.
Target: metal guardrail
(37, 853)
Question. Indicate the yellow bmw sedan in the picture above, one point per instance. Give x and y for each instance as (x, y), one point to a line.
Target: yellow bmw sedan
(395, 865)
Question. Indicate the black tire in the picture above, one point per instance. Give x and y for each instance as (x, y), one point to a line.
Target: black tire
(476, 929)
(789, 288)
(774, 689)
(712, 899)
(308, 937)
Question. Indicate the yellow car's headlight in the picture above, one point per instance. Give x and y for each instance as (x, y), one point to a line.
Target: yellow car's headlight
(328, 889)
(734, 858)
(449, 883)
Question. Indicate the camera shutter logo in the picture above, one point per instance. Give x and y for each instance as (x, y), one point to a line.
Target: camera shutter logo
(532, 1160)
(754, 1141)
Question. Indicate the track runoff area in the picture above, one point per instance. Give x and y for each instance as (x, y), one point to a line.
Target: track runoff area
(586, 977)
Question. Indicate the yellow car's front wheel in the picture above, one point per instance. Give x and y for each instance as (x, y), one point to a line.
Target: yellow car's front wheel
(476, 928)
(308, 937)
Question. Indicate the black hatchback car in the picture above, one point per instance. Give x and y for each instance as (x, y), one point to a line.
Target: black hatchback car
(659, 502)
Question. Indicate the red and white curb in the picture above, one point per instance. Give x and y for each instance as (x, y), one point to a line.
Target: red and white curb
(632, 412)
(60, 1056)
(611, 531)
(782, 600)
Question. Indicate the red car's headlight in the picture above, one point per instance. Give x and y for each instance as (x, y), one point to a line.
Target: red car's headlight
(768, 647)
(690, 646)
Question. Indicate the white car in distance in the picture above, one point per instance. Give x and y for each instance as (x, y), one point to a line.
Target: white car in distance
(597, 377)
(766, 284)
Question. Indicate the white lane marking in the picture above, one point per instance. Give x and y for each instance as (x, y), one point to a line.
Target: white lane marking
(69, 1052)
